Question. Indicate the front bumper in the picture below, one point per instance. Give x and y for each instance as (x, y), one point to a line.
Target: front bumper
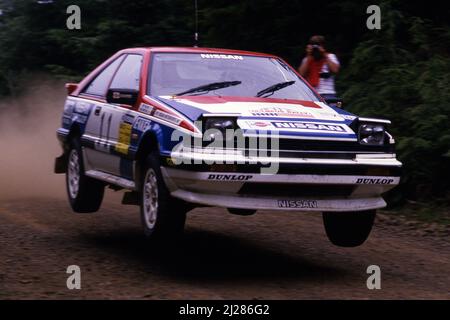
(299, 184)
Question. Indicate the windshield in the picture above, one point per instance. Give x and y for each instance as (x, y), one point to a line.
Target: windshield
(225, 75)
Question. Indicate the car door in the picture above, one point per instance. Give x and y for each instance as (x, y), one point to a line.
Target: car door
(109, 125)
(127, 77)
(95, 140)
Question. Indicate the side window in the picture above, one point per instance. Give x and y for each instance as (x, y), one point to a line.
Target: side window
(99, 85)
(128, 75)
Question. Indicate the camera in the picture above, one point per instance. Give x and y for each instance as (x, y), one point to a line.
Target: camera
(316, 52)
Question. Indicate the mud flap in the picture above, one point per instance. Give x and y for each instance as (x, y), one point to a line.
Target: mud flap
(131, 198)
(61, 164)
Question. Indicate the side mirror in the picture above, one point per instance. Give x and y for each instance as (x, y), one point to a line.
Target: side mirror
(122, 96)
(334, 102)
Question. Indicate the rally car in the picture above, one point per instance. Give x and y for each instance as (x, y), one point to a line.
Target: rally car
(184, 127)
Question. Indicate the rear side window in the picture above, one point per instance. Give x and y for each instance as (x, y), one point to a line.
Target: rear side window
(128, 75)
(99, 85)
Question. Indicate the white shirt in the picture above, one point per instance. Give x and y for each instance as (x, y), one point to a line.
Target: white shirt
(326, 86)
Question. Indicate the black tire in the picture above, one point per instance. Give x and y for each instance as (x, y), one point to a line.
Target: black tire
(87, 197)
(348, 229)
(241, 212)
(162, 216)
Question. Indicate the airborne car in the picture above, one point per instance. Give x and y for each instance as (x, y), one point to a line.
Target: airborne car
(184, 127)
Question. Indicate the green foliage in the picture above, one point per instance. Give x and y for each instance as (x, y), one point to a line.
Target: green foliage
(402, 72)
(34, 36)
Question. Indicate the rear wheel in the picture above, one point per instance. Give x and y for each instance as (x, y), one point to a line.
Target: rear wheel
(348, 229)
(162, 215)
(85, 194)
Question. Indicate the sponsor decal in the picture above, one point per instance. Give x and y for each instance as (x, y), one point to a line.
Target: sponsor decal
(328, 115)
(280, 112)
(230, 177)
(118, 95)
(128, 118)
(375, 181)
(142, 124)
(259, 124)
(145, 108)
(221, 56)
(299, 204)
(309, 126)
(123, 142)
(166, 116)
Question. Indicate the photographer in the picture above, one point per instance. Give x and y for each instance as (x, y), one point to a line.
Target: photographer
(319, 67)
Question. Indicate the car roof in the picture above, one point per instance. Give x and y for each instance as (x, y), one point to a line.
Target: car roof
(202, 50)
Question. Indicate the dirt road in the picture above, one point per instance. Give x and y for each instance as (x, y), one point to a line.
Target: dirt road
(266, 256)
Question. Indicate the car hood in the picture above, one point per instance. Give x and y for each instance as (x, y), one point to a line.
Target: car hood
(313, 119)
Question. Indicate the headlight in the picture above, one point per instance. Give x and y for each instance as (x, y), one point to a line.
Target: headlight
(371, 134)
(216, 128)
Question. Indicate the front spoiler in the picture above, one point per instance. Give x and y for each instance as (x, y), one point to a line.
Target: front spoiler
(336, 184)
(283, 204)
(226, 189)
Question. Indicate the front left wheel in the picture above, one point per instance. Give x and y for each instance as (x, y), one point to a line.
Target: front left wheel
(162, 215)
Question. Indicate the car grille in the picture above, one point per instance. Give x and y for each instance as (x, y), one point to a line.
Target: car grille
(298, 145)
(312, 148)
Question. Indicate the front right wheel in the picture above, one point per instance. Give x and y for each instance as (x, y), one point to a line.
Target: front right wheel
(348, 229)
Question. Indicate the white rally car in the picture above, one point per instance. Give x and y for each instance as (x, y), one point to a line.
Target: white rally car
(185, 127)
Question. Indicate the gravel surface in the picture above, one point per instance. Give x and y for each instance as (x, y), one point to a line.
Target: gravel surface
(269, 255)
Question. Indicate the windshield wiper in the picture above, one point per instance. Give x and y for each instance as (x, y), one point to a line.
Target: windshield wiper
(210, 86)
(275, 87)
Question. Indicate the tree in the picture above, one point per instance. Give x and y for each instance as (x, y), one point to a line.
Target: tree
(402, 72)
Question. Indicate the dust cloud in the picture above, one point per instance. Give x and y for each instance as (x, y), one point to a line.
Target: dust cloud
(28, 144)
